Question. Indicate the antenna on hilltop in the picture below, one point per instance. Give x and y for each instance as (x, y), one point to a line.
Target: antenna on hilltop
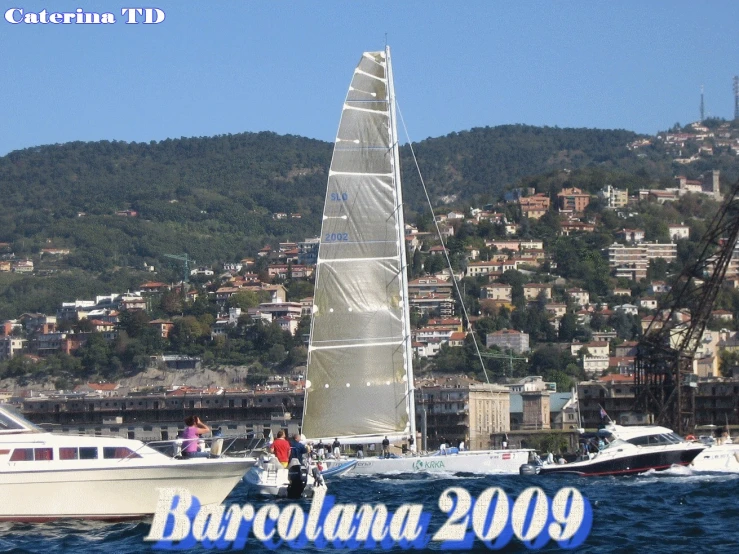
(703, 113)
(736, 97)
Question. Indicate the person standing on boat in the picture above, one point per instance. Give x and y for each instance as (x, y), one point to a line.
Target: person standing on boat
(281, 448)
(194, 429)
(385, 447)
(505, 441)
(297, 448)
(336, 448)
(321, 450)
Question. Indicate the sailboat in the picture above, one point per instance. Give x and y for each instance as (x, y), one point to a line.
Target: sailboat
(359, 382)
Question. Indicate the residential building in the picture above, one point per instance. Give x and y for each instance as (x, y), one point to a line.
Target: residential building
(575, 226)
(11, 346)
(308, 251)
(508, 339)
(648, 303)
(428, 285)
(477, 269)
(631, 235)
(615, 198)
(572, 200)
(281, 309)
(531, 291)
(678, 232)
(163, 326)
(579, 296)
(632, 261)
(496, 291)
(23, 266)
(440, 304)
(532, 383)
(556, 309)
(534, 206)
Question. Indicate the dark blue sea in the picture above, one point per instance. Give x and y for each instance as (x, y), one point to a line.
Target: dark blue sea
(668, 512)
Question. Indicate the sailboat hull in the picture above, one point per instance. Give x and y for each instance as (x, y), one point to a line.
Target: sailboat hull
(478, 462)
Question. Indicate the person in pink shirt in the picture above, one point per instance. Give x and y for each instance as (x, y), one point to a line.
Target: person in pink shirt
(194, 429)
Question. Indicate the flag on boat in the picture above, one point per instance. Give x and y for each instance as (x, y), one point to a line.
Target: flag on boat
(603, 413)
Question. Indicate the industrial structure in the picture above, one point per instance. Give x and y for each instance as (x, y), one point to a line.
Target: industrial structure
(664, 377)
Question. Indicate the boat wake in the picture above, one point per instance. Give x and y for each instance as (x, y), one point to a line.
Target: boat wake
(681, 474)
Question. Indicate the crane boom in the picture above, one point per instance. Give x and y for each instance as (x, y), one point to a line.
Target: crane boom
(187, 261)
(664, 377)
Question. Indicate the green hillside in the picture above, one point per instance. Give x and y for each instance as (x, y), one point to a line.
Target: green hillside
(214, 197)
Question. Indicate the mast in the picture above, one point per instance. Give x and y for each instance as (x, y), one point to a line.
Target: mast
(410, 398)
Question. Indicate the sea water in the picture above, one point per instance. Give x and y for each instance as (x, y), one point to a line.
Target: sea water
(665, 512)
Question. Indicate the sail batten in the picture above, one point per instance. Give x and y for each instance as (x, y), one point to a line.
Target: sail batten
(357, 345)
(340, 260)
(361, 174)
(360, 329)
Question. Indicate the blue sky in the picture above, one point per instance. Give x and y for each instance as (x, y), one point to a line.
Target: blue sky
(284, 66)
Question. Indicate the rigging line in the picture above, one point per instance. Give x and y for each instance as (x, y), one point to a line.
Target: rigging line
(443, 244)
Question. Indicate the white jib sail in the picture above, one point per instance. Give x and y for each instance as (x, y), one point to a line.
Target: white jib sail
(360, 380)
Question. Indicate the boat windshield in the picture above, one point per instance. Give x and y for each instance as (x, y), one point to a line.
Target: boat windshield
(656, 439)
(615, 443)
(12, 421)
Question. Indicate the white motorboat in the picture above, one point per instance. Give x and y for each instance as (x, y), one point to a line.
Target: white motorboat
(359, 382)
(721, 455)
(628, 450)
(44, 476)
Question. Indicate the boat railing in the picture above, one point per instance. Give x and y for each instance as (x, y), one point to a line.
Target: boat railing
(225, 446)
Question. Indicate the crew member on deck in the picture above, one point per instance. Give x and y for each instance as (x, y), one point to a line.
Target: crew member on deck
(385, 447)
(298, 449)
(336, 448)
(321, 450)
(281, 448)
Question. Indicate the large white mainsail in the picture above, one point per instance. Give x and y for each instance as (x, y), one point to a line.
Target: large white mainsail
(359, 378)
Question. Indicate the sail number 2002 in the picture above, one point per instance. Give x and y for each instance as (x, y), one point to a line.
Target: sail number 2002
(336, 237)
(533, 518)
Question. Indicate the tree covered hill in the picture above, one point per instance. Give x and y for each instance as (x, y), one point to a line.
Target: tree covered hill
(483, 161)
(214, 198)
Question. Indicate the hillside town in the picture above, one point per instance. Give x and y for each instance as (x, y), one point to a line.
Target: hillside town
(518, 302)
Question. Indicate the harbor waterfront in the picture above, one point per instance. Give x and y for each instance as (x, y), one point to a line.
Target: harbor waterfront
(667, 512)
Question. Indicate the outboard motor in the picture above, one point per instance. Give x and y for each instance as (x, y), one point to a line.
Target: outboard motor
(529, 469)
(297, 477)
